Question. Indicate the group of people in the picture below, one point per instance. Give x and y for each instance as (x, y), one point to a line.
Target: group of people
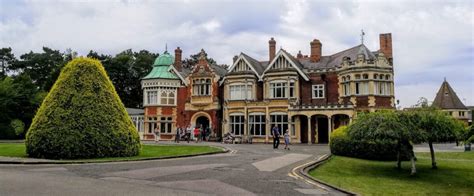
(198, 134)
(276, 138)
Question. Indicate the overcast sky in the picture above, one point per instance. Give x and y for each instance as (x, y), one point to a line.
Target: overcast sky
(431, 39)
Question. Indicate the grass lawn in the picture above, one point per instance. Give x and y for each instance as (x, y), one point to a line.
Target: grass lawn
(454, 176)
(147, 152)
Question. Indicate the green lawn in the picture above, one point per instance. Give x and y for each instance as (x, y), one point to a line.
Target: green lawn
(147, 152)
(454, 176)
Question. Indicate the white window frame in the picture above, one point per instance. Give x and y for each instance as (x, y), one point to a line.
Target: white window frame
(238, 92)
(288, 89)
(318, 91)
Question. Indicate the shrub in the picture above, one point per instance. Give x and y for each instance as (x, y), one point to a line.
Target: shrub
(342, 144)
(82, 117)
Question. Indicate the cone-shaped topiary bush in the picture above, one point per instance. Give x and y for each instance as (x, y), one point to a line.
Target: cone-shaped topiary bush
(82, 117)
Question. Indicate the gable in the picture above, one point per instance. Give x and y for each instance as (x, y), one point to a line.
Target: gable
(282, 61)
(242, 64)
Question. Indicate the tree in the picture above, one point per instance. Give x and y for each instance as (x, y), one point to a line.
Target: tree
(126, 70)
(7, 58)
(194, 59)
(82, 117)
(19, 99)
(386, 126)
(43, 68)
(436, 126)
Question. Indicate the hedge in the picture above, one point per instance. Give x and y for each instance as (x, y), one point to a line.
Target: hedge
(82, 117)
(341, 144)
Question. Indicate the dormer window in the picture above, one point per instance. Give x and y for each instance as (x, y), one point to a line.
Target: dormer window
(202, 87)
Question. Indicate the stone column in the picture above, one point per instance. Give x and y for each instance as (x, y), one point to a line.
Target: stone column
(309, 129)
(329, 128)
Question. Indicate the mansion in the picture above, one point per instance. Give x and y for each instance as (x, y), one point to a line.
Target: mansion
(308, 95)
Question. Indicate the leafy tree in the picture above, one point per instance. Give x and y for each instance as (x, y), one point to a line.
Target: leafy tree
(194, 59)
(435, 126)
(19, 99)
(126, 70)
(43, 68)
(386, 126)
(82, 117)
(7, 58)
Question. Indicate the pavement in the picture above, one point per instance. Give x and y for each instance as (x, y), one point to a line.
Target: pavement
(248, 169)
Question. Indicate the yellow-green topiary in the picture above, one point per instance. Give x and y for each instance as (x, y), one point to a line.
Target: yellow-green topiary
(82, 117)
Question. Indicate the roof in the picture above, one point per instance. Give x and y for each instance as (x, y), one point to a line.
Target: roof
(161, 71)
(446, 98)
(164, 59)
(258, 66)
(335, 60)
(135, 111)
(219, 70)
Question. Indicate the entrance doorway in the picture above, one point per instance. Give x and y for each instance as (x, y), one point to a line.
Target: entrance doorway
(319, 129)
(303, 128)
(202, 121)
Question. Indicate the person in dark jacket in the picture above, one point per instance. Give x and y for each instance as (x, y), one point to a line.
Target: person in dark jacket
(276, 137)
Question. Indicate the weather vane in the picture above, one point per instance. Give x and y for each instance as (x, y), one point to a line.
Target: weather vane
(362, 36)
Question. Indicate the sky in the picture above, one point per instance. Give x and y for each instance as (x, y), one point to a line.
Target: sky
(432, 40)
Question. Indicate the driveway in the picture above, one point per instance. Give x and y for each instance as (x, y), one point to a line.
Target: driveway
(249, 169)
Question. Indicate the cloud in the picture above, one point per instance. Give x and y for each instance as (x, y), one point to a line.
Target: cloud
(431, 39)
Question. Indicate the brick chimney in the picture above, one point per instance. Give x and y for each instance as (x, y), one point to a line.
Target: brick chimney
(386, 45)
(272, 47)
(315, 51)
(299, 55)
(177, 58)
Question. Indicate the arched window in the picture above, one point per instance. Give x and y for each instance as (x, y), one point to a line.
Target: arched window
(365, 76)
(387, 77)
(357, 76)
(376, 76)
(381, 76)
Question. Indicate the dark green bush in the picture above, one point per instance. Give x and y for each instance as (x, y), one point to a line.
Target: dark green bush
(342, 144)
(82, 117)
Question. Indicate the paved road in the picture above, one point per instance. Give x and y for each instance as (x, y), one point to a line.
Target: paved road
(254, 169)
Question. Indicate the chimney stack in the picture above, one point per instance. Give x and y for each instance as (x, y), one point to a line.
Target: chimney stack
(272, 47)
(299, 55)
(315, 51)
(177, 58)
(386, 45)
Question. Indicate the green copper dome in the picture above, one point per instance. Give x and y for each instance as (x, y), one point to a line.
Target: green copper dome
(164, 59)
(161, 68)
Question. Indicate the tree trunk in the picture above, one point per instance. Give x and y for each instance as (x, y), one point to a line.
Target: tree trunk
(399, 160)
(433, 160)
(413, 166)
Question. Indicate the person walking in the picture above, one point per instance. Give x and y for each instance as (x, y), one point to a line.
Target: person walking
(197, 131)
(276, 137)
(157, 134)
(188, 133)
(177, 137)
(287, 140)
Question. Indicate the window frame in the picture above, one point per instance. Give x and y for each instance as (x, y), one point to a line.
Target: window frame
(319, 90)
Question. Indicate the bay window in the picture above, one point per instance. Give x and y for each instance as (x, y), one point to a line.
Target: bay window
(279, 89)
(240, 92)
